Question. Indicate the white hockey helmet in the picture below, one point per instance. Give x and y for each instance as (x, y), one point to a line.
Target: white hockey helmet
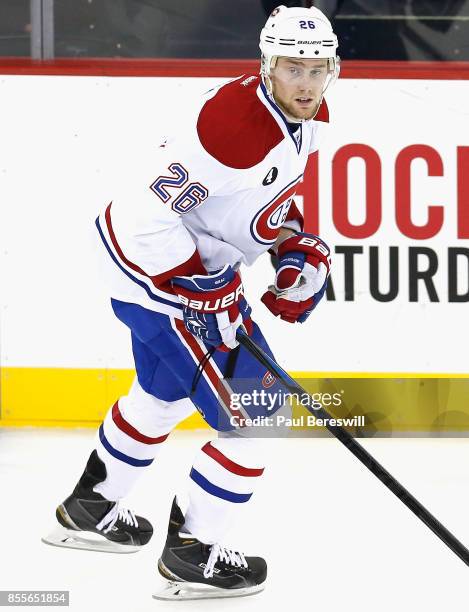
(301, 33)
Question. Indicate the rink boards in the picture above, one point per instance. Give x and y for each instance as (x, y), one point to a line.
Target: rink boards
(392, 404)
(389, 191)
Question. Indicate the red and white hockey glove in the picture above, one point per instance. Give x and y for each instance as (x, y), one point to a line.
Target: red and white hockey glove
(300, 282)
(214, 306)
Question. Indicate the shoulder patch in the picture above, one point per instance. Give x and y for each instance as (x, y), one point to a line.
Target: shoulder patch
(323, 112)
(235, 127)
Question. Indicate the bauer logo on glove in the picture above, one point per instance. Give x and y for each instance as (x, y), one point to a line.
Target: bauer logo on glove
(301, 277)
(214, 306)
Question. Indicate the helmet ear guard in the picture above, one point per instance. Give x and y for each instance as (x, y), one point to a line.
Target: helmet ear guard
(333, 72)
(268, 63)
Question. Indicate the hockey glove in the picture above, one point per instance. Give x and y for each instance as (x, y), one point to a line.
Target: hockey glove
(214, 306)
(301, 278)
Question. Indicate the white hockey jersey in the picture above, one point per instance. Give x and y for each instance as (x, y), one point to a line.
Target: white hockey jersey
(215, 193)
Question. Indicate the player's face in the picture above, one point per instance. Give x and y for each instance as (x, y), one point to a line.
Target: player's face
(297, 85)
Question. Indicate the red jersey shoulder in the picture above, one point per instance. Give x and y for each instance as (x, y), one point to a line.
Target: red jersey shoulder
(323, 112)
(235, 127)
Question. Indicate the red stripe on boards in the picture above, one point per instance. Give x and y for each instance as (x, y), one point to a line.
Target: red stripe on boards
(188, 67)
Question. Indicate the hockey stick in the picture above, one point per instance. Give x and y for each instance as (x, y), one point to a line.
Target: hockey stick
(357, 449)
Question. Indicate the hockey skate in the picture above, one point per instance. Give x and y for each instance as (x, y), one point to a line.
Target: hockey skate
(200, 571)
(88, 521)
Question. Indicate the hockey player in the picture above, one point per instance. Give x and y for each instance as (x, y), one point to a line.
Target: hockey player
(217, 194)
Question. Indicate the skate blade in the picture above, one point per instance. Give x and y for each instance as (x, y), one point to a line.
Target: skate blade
(185, 591)
(85, 540)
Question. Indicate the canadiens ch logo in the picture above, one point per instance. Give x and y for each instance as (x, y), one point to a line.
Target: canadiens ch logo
(267, 223)
(270, 176)
(268, 380)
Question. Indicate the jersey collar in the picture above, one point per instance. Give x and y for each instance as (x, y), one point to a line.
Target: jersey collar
(296, 138)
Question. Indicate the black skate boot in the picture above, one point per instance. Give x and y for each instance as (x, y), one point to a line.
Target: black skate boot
(87, 511)
(200, 571)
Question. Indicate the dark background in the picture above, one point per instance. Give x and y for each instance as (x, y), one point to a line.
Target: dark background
(367, 29)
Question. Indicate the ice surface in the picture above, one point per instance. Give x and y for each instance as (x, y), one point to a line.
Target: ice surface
(335, 538)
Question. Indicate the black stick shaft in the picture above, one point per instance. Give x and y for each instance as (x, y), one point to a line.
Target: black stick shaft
(360, 453)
